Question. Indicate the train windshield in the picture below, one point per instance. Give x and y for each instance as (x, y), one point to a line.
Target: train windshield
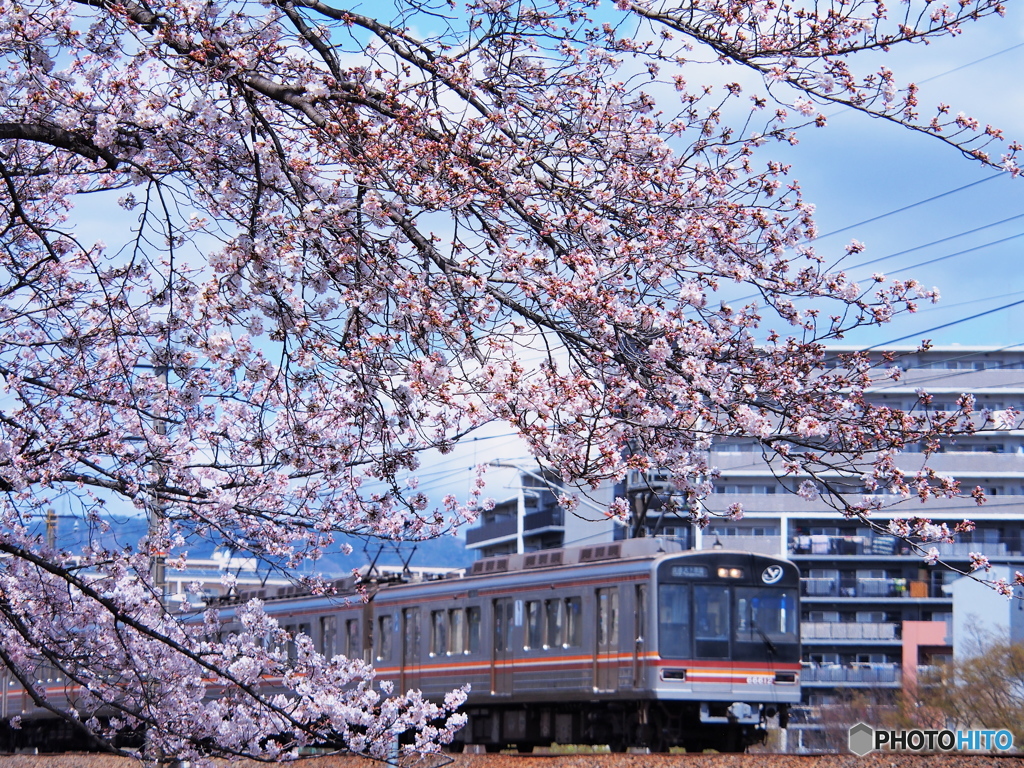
(766, 623)
(709, 621)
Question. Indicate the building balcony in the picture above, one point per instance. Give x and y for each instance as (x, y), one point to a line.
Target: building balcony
(868, 588)
(500, 528)
(764, 545)
(841, 545)
(553, 517)
(952, 382)
(964, 549)
(783, 503)
(749, 467)
(890, 546)
(849, 631)
(884, 675)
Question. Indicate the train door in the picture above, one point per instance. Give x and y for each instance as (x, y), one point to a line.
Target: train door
(606, 650)
(504, 621)
(639, 635)
(410, 648)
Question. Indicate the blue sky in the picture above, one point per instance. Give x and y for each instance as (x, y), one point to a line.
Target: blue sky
(857, 169)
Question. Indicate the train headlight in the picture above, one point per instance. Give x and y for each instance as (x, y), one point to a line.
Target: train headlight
(787, 678)
(730, 573)
(678, 675)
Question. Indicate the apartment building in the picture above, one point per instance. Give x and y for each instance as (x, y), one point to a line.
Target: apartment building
(873, 609)
(529, 518)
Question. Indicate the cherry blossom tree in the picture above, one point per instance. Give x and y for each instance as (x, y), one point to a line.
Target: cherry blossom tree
(336, 242)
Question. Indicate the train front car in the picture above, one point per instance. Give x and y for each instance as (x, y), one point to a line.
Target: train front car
(726, 648)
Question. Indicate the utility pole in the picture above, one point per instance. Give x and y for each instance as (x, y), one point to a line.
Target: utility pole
(156, 507)
(51, 529)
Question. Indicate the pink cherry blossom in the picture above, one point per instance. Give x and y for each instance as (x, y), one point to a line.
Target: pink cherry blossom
(336, 245)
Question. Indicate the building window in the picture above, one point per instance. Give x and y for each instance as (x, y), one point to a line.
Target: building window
(870, 617)
(823, 658)
(823, 616)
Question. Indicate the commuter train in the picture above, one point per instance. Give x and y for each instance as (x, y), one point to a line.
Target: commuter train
(623, 644)
(628, 644)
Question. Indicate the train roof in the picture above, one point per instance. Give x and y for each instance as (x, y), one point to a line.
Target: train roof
(607, 554)
(592, 553)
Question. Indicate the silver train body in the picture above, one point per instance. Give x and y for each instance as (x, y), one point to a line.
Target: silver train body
(622, 644)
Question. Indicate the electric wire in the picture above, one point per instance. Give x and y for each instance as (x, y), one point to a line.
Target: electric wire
(970, 301)
(971, 63)
(962, 253)
(945, 325)
(909, 207)
(939, 242)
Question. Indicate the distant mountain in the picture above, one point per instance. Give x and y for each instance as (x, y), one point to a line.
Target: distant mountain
(74, 534)
(444, 552)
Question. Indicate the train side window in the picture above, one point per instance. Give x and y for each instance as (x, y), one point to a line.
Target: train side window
(384, 642)
(534, 624)
(289, 646)
(457, 631)
(328, 636)
(573, 622)
(353, 645)
(294, 630)
(473, 627)
(411, 639)
(504, 622)
(555, 610)
(438, 633)
(608, 617)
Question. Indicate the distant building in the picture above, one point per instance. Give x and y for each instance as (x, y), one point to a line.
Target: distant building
(530, 518)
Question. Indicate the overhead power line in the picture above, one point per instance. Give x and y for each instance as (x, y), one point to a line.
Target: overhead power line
(961, 253)
(944, 194)
(908, 207)
(918, 334)
(945, 307)
(971, 63)
(936, 242)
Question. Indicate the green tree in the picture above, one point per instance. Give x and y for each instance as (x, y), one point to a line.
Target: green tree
(985, 690)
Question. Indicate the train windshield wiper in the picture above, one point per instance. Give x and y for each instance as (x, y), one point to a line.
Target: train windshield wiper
(764, 637)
